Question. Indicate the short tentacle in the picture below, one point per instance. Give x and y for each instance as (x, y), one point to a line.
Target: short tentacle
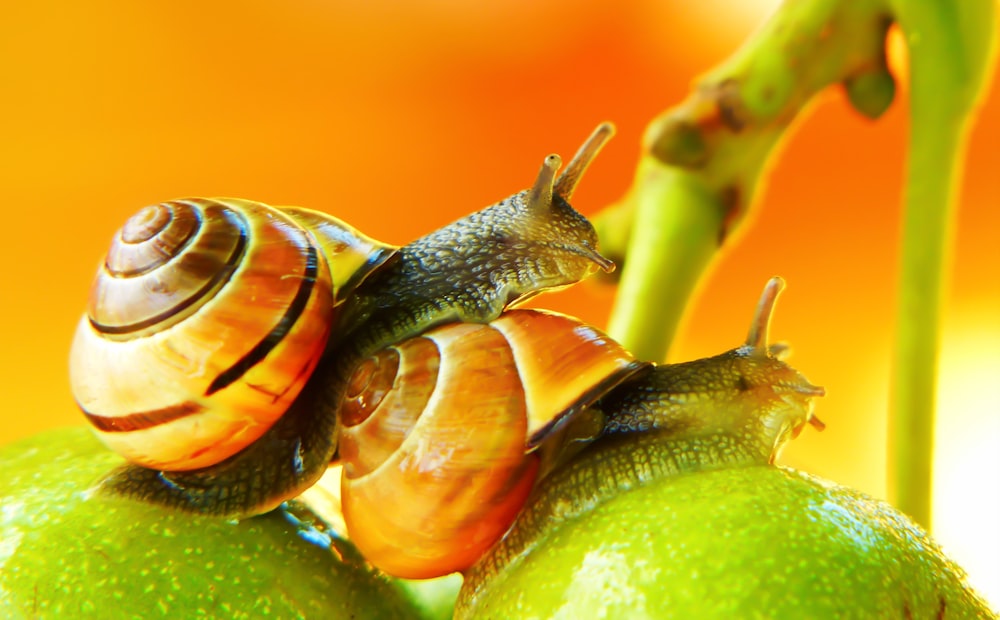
(540, 196)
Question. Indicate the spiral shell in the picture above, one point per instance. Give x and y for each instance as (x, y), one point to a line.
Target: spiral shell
(204, 321)
(444, 435)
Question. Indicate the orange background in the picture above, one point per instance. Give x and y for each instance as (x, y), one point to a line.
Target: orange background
(401, 118)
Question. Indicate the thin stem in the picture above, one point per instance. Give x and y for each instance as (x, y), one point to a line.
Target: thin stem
(672, 245)
(950, 54)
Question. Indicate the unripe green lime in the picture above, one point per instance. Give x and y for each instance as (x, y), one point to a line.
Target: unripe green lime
(68, 553)
(745, 542)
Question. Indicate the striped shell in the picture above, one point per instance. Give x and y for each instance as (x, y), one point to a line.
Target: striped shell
(205, 320)
(444, 435)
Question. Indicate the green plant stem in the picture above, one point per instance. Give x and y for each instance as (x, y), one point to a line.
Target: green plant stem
(643, 302)
(950, 54)
(702, 160)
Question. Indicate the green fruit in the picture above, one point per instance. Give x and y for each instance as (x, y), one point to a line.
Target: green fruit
(68, 553)
(744, 542)
(434, 598)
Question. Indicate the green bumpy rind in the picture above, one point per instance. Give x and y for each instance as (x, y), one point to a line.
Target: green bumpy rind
(744, 542)
(66, 552)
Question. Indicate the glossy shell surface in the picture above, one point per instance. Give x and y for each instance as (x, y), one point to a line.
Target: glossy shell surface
(443, 434)
(205, 320)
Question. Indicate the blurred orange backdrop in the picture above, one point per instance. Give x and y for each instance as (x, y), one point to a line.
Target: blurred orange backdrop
(400, 117)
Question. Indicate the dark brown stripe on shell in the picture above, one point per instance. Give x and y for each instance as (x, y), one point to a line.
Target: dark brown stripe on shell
(144, 419)
(587, 399)
(278, 332)
(219, 278)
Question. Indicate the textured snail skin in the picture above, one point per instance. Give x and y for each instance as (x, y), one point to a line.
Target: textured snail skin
(469, 271)
(473, 269)
(748, 393)
(760, 398)
(732, 410)
(476, 267)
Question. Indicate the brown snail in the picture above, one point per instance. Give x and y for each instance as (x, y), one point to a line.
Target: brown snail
(411, 493)
(469, 271)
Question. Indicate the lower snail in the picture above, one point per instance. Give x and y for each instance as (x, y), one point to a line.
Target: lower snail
(435, 471)
(407, 365)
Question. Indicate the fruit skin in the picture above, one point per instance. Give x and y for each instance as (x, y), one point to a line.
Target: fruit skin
(746, 542)
(67, 554)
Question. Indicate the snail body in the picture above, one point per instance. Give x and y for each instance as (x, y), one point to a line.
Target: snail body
(475, 268)
(748, 394)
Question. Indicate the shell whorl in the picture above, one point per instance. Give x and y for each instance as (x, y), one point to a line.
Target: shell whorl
(205, 320)
(445, 434)
(164, 263)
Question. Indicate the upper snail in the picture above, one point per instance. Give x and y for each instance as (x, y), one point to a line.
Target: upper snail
(207, 317)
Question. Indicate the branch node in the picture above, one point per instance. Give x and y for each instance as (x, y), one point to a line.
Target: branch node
(871, 92)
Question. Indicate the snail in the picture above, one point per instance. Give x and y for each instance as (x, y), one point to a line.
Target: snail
(411, 491)
(188, 279)
(445, 406)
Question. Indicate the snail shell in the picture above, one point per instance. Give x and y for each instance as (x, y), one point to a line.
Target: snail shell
(445, 434)
(204, 322)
